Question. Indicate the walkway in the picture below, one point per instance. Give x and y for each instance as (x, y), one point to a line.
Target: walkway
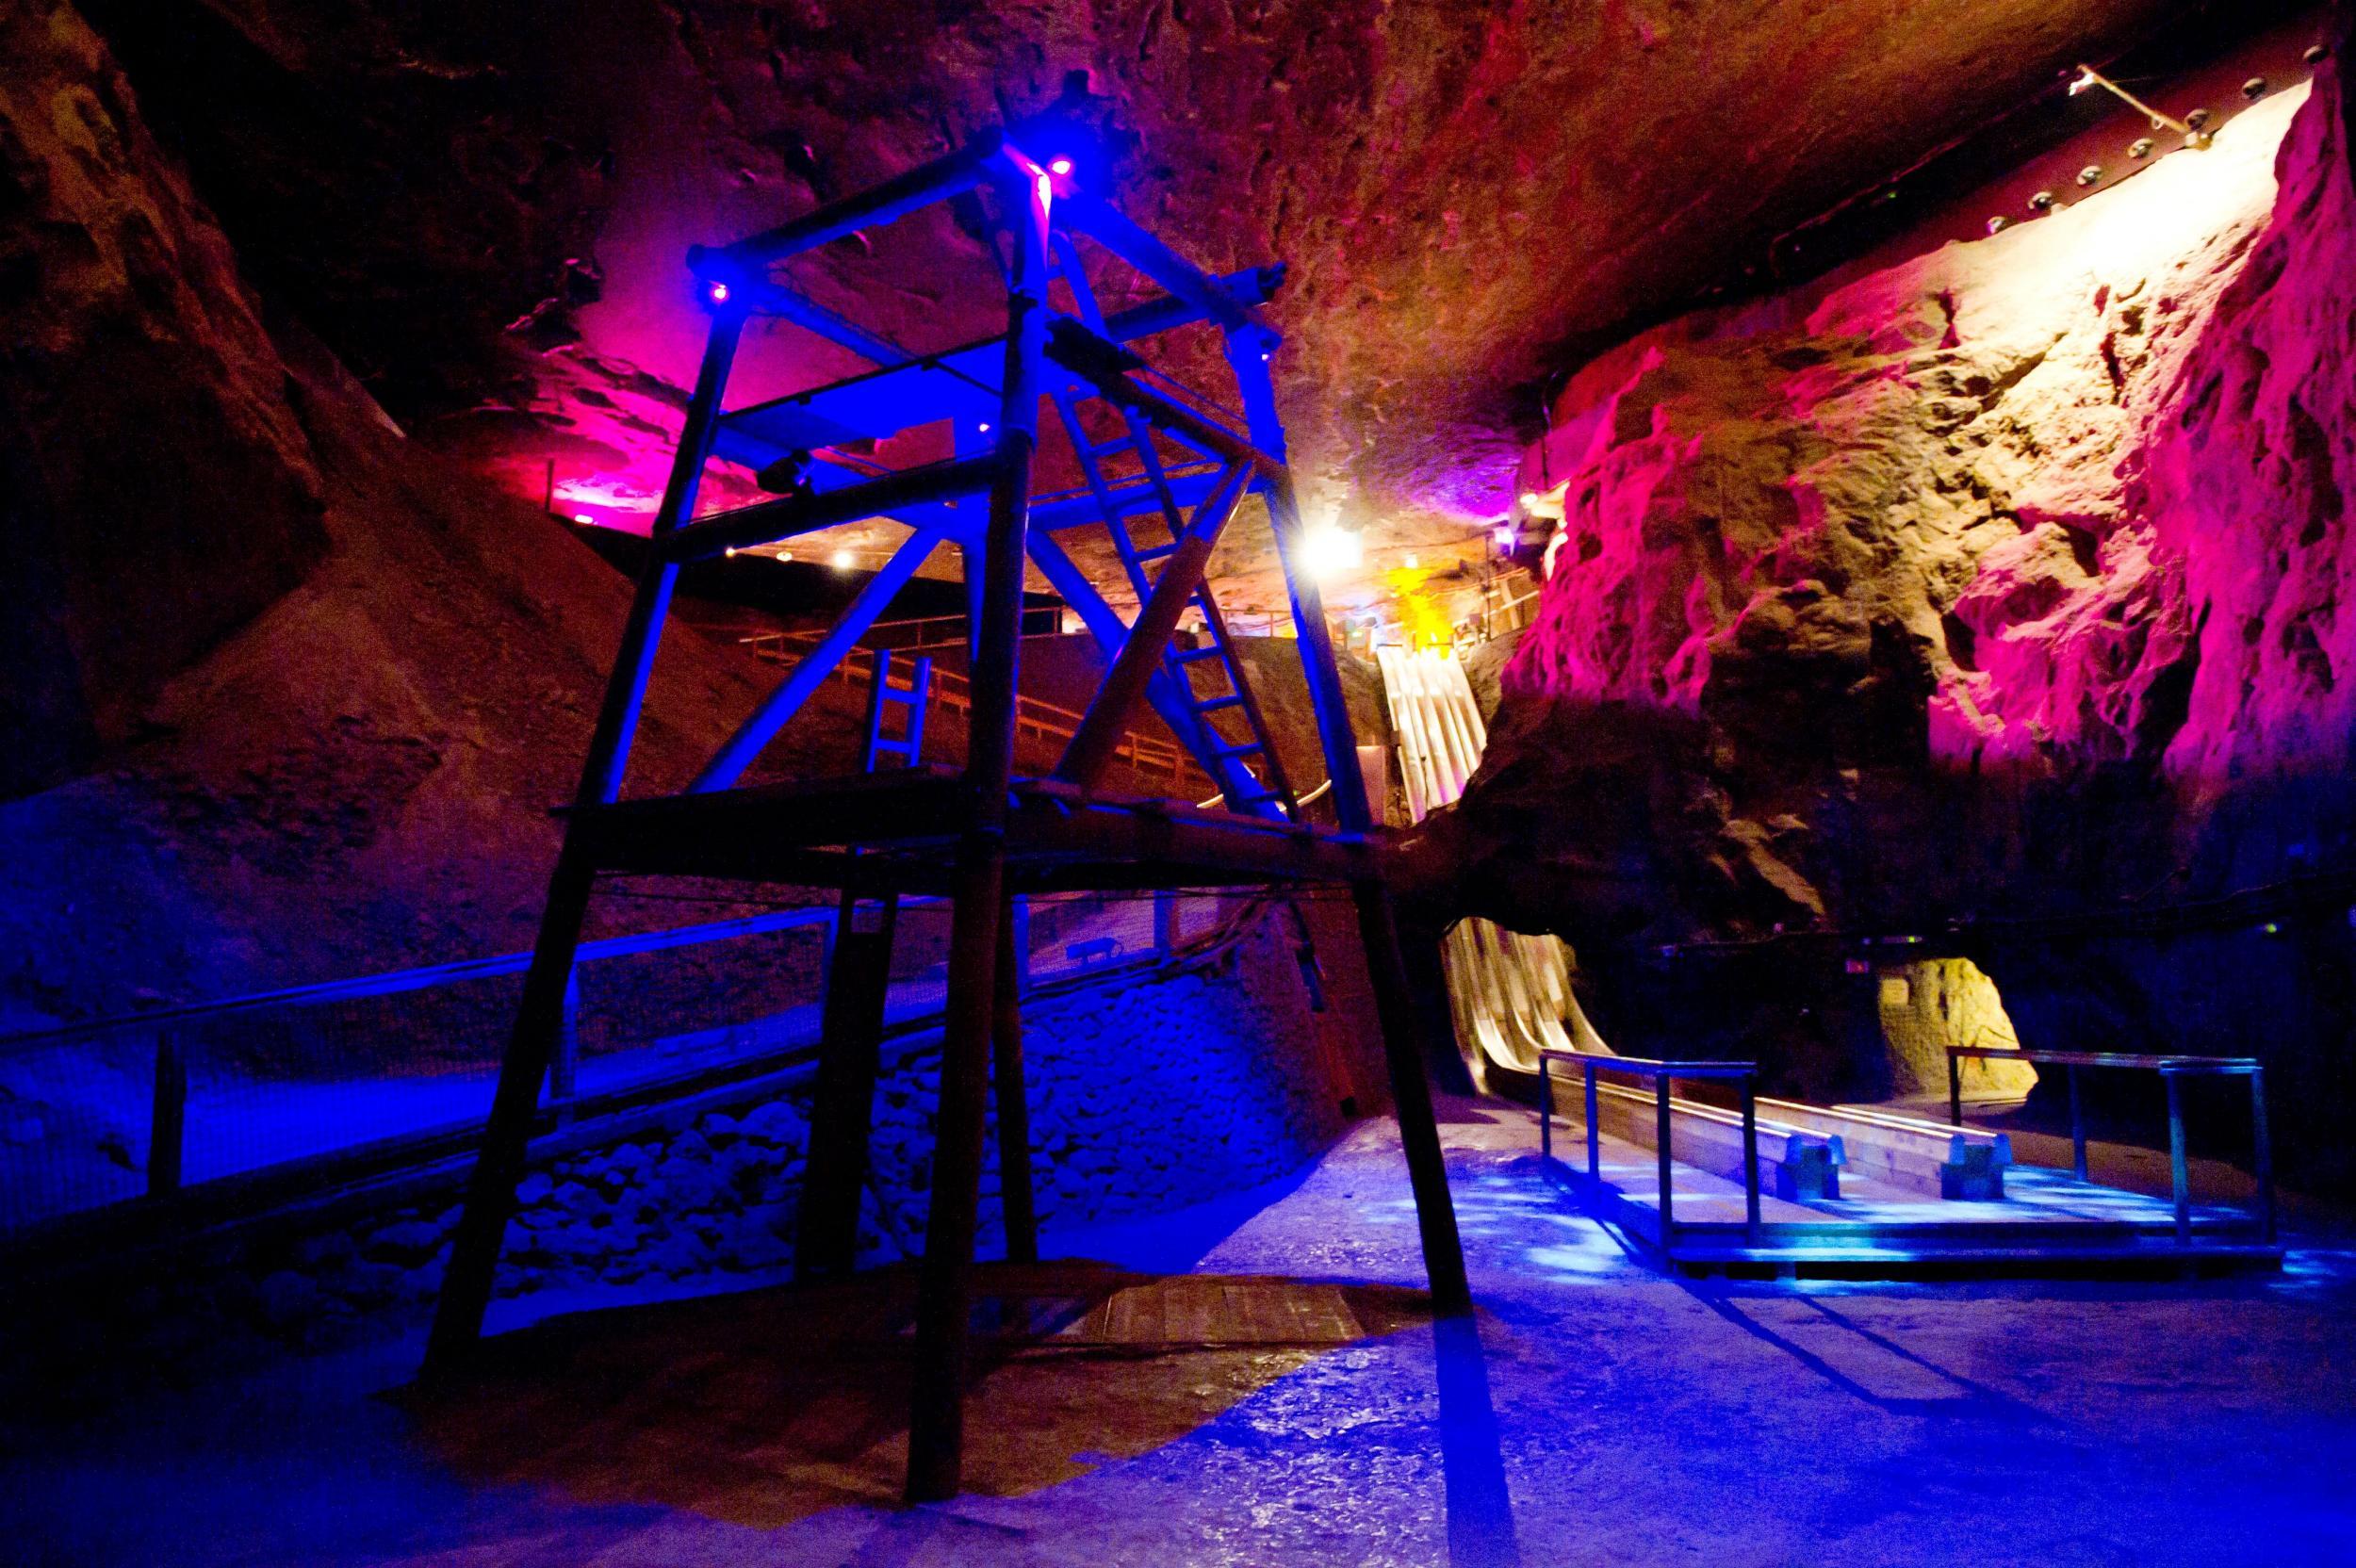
(1598, 1414)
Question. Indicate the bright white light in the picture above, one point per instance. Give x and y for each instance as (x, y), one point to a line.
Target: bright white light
(843, 561)
(582, 517)
(785, 555)
(1505, 536)
(1328, 550)
(2084, 80)
(984, 427)
(729, 552)
(1413, 560)
(1061, 166)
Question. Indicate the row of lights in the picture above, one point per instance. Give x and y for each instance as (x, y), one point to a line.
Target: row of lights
(842, 561)
(2193, 127)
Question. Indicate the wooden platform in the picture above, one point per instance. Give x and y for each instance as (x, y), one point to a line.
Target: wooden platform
(1058, 838)
(2047, 1224)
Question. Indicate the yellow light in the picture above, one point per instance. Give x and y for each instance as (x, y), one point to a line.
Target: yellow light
(729, 552)
(843, 561)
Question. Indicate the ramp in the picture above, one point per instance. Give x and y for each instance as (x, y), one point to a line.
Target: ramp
(1510, 993)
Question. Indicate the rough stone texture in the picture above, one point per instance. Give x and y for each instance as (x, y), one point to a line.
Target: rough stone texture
(155, 486)
(1998, 583)
(1458, 188)
(1150, 1091)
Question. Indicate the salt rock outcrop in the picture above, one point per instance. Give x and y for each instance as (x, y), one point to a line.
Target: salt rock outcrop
(1993, 595)
(156, 487)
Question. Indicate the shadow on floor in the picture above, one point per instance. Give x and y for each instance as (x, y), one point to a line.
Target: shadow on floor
(766, 1406)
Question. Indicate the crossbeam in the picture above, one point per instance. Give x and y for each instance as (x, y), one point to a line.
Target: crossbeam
(890, 494)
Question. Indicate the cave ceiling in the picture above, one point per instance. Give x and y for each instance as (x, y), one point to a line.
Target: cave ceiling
(483, 209)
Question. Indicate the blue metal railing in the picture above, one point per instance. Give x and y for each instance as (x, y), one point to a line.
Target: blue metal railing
(107, 1111)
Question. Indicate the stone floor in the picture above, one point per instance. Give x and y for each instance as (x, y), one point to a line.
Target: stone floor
(1595, 1412)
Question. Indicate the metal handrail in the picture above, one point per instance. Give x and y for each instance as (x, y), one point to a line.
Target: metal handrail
(392, 982)
(1662, 1074)
(2172, 1070)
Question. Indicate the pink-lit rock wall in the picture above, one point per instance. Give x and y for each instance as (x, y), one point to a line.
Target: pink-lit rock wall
(1998, 585)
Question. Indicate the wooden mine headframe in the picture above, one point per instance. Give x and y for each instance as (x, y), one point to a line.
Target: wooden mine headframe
(1165, 481)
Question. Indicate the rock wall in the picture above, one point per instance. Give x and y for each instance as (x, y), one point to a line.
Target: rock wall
(1150, 1092)
(1994, 595)
(1455, 185)
(155, 489)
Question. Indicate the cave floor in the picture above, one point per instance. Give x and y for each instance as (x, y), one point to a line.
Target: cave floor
(1251, 1384)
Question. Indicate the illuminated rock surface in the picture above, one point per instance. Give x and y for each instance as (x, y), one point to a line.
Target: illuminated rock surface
(2000, 584)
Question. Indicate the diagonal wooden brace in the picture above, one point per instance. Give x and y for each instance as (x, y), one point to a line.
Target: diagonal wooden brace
(1098, 737)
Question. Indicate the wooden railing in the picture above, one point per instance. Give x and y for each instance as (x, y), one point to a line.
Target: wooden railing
(1151, 756)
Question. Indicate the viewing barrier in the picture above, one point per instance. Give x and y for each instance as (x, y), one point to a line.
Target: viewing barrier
(2172, 1072)
(377, 1069)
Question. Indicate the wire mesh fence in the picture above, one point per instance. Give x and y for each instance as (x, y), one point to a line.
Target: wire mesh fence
(118, 1109)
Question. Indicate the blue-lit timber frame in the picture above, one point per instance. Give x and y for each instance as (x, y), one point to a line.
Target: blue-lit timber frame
(978, 835)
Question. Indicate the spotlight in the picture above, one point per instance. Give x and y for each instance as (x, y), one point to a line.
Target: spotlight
(843, 561)
(1328, 550)
(719, 292)
(729, 552)
(582, 517)
(1059, 166)
(983, 426)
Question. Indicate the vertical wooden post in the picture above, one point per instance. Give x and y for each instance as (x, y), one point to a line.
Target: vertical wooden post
(2077, 1127)
(945, 1284)
(540, 1015)
(1750, 1161)
(2178, 1173)
(1594, 1150)
(565, 1070)
(168, 1118)
(1545, 1110)
(1166, 923)
(1016, 1194)
(1661, 1157)
(842, 1108)
(1411, 1097)
(2262, 1153)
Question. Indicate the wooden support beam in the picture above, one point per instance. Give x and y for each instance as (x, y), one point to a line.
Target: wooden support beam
(766, 522)
(466, 1294)
(1114, 707)
(1411, 1098)
(921, 187)
(751, 738)
(944, 1283)
(491, 1189)
(843, 1108)
(1015, 1197)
